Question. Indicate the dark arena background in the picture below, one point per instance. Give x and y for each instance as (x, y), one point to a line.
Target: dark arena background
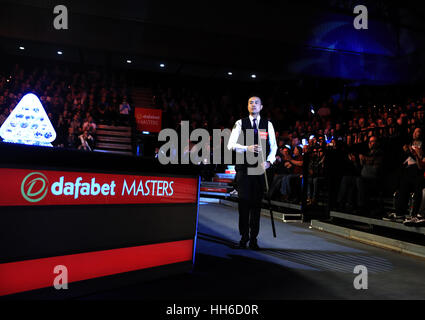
(89, 211)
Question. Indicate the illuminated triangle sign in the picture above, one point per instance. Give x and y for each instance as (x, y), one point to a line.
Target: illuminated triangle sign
(28, 124)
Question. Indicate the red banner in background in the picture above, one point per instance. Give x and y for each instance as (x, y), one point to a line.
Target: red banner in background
(148, 119)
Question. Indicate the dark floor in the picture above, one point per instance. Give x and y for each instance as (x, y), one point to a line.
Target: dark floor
(301, 263)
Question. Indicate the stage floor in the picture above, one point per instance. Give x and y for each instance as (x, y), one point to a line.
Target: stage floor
(301, 263)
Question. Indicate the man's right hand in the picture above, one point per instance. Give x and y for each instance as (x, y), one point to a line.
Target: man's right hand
(254, 148)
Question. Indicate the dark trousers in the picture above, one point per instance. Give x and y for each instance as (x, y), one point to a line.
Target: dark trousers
(366, 186)
(250, 190)
(411, 181)
(346, 191)
(276, 184)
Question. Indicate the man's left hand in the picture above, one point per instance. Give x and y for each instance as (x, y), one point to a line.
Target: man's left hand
(266, 165)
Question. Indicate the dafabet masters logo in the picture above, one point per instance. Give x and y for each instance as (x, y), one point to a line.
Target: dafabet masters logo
(34, 187)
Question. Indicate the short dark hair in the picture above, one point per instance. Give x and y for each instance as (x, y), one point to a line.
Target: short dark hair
(255, 96)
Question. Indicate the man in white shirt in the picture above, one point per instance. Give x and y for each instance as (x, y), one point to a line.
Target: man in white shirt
(251, 186)
(124, 111)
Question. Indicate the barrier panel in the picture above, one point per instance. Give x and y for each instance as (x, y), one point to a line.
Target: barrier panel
(97, 214)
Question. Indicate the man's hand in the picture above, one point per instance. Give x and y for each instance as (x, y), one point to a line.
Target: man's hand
(254, 148)
(266, 165)
(405, 148)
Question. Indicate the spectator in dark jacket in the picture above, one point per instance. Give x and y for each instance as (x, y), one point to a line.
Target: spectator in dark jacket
(294, 164)
(370, 175)
(351, 170)
(412, 177)
(281, 169)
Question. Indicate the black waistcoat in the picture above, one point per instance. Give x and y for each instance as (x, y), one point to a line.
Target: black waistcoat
(246, 124)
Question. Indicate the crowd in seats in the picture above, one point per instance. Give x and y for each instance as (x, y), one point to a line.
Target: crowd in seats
(368, 157)
(348, 150)
(76, 101)
(362, 175)
(349, 144)
(287, 171)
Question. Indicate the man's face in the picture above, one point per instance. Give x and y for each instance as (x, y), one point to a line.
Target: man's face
(417, 133)
(372, 143)
(254, 105)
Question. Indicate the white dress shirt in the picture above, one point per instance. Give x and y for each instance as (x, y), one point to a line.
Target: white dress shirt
(237, 129)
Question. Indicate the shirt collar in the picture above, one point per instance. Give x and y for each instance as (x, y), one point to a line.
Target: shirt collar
(251, 118)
